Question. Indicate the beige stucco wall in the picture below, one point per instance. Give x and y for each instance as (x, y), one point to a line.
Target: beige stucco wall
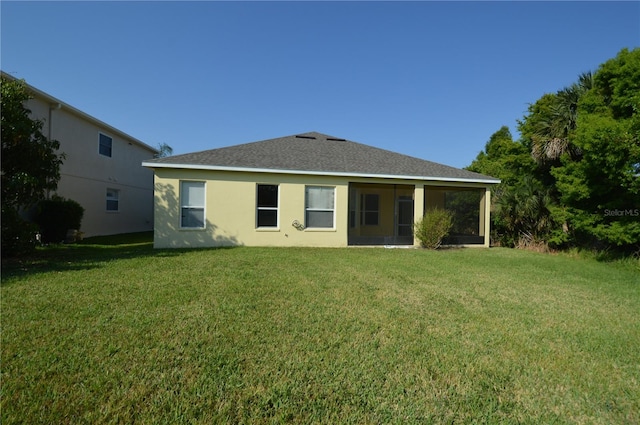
(85, 175)
(230, 210)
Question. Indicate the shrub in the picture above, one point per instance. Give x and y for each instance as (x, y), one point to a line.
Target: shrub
(431, 229)
(56, 216)
(18, 235)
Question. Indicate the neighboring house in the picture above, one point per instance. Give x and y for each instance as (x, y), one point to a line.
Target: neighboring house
(310, 190)
(101, 170)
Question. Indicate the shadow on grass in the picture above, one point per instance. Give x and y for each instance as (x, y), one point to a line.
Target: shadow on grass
(89, 254)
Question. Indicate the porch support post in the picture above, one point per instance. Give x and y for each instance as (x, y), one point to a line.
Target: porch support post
(485, 217)
(418, 207)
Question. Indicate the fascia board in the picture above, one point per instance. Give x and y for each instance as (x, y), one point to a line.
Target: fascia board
(315, 173)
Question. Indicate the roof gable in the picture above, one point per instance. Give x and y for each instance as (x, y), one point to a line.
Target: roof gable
(318, 153)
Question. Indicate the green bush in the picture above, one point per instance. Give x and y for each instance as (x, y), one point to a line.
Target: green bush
(18, 235)
(56, 216)
(431, 229)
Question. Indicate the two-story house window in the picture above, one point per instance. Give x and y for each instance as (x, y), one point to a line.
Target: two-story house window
(113, 200)
(105, 145)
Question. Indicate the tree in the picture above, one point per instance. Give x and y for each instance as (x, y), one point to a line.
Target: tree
(511, 162)
(552, 120)
(601, 190)
(503, 158)
(30, 163)
(164, 150)
(582, 187)
(523, 213)
(618, 81)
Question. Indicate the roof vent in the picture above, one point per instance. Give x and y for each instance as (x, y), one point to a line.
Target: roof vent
(335, 139)
(299, 136)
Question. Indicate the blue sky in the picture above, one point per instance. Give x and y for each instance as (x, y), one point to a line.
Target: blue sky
(427, 79)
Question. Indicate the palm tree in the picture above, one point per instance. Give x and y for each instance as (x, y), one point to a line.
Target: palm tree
(551, 138)
(164, 150)
(524, 210)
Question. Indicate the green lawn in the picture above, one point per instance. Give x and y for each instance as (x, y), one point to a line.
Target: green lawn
(103, 333)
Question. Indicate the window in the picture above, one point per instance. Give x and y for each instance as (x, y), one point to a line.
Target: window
(267, 205)
(192, 205)
(319, 206)
(370, 209)
(105, 145)
(113, 196)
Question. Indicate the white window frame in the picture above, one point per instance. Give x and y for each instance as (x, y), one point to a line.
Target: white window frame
(193, 207)
(115, 198)
(100, 135)
(276, 208)
(307, 209)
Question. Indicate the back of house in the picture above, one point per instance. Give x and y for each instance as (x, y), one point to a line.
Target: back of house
(311, 189)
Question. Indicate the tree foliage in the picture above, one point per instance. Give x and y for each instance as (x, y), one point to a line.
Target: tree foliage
(512, 163)
(602, 188)
(503, 158)
(30, 165)
(164, 150)
(30, 161)
(550, 134)
(523, 212)
(573, 178)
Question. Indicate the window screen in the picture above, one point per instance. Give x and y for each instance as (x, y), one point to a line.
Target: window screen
(267, 205)
(192, 204)
(105, 145)
(319, 206)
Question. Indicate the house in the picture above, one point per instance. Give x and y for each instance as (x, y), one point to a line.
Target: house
(101, 170)
(310, 190)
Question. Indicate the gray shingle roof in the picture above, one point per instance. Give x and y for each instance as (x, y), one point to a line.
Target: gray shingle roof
(320, 154)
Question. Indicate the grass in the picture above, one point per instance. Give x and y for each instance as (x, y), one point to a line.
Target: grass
(112, 331)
